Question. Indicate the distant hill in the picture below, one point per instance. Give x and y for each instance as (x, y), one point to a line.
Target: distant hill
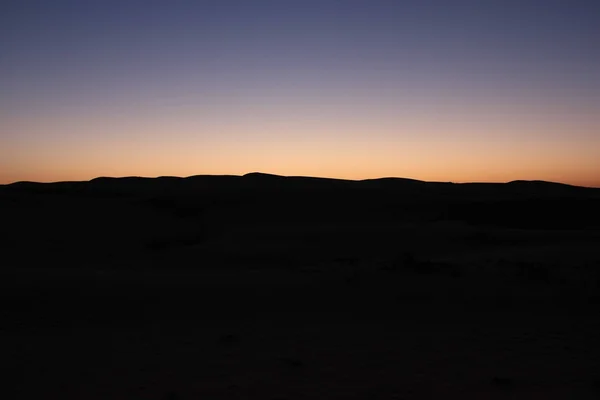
(263, 181)
(115, 218)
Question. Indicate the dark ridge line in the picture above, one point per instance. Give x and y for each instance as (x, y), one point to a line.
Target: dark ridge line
(540, 182)
(275, 177)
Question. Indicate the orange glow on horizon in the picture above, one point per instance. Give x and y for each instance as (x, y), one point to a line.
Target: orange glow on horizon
(345, 143)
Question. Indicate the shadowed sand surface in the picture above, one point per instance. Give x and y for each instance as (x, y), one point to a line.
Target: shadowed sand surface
(267, 287)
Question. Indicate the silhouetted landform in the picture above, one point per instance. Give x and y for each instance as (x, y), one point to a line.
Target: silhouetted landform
(263, 286)
(269, 221)
(170, 212)
(523, 204)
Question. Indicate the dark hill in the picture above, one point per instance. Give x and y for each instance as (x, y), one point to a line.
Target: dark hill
(260, 197)
(257, 184)
(206, 285)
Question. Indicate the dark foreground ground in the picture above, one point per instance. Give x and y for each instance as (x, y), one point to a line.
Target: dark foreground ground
(257, 288)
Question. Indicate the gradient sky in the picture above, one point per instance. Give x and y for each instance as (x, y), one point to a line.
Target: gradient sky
(428, 89)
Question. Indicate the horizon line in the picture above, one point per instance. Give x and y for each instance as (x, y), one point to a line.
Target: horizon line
(256, 173)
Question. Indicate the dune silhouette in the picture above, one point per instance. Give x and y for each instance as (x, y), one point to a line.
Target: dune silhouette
(201, 285)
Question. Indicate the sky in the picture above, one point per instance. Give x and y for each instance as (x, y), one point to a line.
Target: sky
(437, 90)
